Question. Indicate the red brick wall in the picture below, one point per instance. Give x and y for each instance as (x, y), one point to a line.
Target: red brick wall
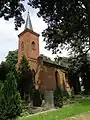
(47, 78)
(30, 54)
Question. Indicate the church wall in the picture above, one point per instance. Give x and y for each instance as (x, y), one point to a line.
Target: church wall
(46, 79)
(29, 53)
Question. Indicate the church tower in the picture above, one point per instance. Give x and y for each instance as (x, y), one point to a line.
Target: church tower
(29, 44)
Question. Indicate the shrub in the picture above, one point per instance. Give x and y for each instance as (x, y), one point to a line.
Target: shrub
(10, 102)
(58, 97)
(25, 81)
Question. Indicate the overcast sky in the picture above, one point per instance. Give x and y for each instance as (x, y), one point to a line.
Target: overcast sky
(9, 37)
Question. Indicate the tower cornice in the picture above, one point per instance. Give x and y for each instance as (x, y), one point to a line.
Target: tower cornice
(28, 30)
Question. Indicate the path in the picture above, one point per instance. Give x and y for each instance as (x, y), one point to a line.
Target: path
(84, 116)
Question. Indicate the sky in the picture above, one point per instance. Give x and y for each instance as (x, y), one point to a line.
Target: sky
(9, 37)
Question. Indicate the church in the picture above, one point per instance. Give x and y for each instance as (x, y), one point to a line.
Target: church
(47, 74)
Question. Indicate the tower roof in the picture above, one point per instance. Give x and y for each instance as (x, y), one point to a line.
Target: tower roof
(28, 23)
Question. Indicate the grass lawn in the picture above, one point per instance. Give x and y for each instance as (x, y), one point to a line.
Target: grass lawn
(79, 107)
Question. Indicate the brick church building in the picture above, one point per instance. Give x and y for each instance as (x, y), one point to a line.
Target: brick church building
(46, 74)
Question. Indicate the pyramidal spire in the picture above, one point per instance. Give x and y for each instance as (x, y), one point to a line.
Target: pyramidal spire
(28, 23)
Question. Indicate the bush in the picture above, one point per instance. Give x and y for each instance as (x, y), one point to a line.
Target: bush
(25, 81)
(10, 102)
(58, 97)
(37, 101)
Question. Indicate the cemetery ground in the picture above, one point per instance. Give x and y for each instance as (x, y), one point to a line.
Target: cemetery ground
(78, 106)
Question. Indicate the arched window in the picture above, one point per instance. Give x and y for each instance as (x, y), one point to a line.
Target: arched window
(33, 45)
(56, 77)
(22, 45)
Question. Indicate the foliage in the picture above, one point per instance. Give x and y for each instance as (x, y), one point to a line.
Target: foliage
(58, 97)
(37, 98)
(3, 71)
(1, 88)
(81, 68)
(63, 61)
(68, 23)
(78, 67)
(58, 94)
(10, 102)
(24, 65)
(12, 9)
(11, 60)
(85, 74)
(25, 80)
(8, 65)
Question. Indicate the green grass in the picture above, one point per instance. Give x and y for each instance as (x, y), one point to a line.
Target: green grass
(77, 108)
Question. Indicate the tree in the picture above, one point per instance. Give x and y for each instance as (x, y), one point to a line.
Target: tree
(10, 9)
(68, 27)
(25, 80)
(9, 65)
(3, 71)
(11, 60)
(74, 70)
(85, 73)
(63, 61)
(68, 23)
(79, 68)
(10, 101)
